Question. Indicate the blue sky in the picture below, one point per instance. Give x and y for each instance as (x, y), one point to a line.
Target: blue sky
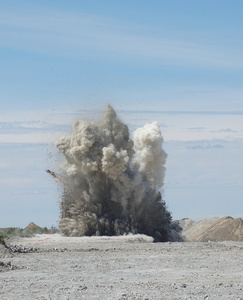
(177, 62)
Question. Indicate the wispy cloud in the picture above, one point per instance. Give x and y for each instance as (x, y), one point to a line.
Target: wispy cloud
(224, 130)
(205, 145)
(87, 36)
(197, 128)
(19, 127)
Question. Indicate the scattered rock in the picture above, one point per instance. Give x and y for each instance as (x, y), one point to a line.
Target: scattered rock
(5, 251)
(4, 267)
(21, 249)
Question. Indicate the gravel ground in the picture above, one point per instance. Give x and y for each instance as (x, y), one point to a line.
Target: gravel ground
(132, 267)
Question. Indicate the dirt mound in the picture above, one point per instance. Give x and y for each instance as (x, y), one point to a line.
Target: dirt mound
(215, 229)
(32, 226)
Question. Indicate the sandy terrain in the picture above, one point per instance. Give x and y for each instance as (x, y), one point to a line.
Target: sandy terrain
(120, 268)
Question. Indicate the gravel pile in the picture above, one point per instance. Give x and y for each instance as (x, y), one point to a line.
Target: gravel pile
(214, 229)
(22, 249)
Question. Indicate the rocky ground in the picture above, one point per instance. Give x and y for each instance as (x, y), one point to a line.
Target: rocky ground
(54, 267)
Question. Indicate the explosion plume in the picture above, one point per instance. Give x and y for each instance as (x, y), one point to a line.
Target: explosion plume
(112, 183)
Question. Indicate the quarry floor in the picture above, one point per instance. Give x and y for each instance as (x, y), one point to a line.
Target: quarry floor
(130, 267)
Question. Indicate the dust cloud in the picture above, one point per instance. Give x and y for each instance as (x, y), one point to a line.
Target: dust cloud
(113, 183)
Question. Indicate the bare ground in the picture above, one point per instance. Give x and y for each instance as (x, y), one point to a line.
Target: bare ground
(132, 267)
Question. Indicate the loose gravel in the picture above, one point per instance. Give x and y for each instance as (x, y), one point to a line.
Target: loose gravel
(54, 267)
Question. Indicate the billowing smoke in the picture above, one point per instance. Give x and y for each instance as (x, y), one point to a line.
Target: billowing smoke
(112, 183)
